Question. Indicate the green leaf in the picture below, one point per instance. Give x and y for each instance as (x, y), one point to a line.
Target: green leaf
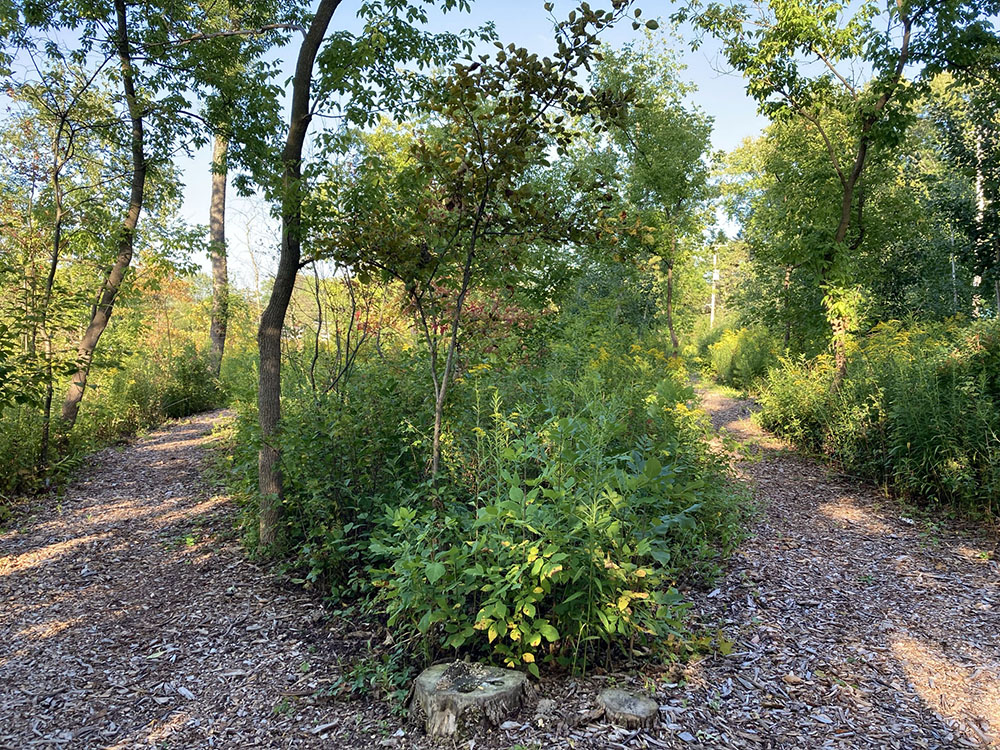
(549, 633)
(434, 571)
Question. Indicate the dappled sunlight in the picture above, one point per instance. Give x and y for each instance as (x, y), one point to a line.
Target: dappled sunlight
(968, 697)
(42, 555)
(159, 732)
(43, 630)
(170, 518)
(972, 554)
(845, 510)
(171, 445)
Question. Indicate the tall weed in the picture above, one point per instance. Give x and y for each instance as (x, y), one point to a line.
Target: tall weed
(919, 411)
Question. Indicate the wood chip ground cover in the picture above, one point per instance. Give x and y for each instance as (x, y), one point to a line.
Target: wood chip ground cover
(131, 618)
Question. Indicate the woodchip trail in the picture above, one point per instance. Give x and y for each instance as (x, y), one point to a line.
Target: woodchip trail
(130, 617)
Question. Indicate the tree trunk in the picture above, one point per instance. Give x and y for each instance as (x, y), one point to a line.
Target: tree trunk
(449, 364)
(43, 453)
(50, 279)
(839, 325)
(670, 303)
(788, 304)
(217, 251)
(112, 283)
(272, 320)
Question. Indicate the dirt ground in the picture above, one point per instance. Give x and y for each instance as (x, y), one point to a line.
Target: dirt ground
(130, 617)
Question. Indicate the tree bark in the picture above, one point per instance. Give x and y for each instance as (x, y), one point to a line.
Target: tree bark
(670, 302)
(272, 320)
(449, 365)
(50, 280)
(101, 314)
(218, 253)
(787, 286)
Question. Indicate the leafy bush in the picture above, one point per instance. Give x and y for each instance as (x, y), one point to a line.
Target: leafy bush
(740, 357)
(571, 540)
(191, 386)
(918, 411)
(576, 493)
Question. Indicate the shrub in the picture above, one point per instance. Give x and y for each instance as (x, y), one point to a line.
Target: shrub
(577, 491)
(191, 386)
(571, 541)
(741, 357)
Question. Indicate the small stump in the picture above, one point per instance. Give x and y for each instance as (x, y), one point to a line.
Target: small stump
(628, 710)
(457, 695)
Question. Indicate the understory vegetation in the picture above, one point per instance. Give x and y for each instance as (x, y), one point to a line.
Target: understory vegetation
(578, 493)
(918, 411)
(154, 366)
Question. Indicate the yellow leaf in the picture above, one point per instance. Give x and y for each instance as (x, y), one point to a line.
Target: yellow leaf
(528, 658)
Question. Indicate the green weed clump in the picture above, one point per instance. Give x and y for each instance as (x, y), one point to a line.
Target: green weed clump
(576, 496)
(742, 356)
(919, 411)
(699, 342)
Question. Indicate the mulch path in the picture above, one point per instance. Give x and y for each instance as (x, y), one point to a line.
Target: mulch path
(130, 617)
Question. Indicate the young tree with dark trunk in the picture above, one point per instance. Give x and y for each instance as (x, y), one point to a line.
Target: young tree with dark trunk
(272, 321)
(112, 283)
(362, 70)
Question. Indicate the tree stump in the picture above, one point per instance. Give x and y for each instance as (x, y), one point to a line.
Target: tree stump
(628, 710)
(454, 696)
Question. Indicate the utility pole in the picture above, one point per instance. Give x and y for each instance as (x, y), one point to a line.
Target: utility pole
(715, 280)
(954, 285)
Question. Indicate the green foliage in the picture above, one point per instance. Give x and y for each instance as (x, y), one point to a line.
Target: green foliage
(919, 411)
(191, 386)
(741, 357)
(701, 340)
(576, 492)
(150, 370)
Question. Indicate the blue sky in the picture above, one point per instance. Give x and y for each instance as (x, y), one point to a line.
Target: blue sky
(523, 22)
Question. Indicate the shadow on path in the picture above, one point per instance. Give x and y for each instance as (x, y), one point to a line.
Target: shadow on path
(854, 626)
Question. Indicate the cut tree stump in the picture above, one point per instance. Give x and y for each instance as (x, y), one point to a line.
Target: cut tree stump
(455, 696)
(628, 710)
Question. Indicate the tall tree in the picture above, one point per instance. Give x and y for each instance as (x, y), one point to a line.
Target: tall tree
(361, 73)
(160, 57)
(218, 251)
(665, 145)
(273, 318)
(101, 314)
